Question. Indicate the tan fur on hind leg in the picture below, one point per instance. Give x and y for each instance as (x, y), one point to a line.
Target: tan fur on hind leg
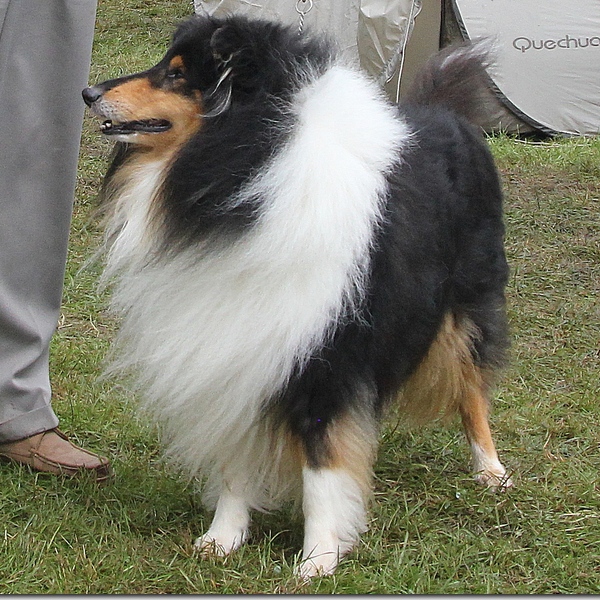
(435, 389)
(447, 381)
(474, 409)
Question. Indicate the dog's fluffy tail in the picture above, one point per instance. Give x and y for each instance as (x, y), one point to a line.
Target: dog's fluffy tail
(456, 78)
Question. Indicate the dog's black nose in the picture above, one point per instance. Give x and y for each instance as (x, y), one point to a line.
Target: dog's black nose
(91, 94)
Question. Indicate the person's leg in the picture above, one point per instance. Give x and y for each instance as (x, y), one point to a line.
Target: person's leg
(45, 50)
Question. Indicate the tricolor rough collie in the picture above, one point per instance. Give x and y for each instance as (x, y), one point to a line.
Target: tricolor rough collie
(289, 254)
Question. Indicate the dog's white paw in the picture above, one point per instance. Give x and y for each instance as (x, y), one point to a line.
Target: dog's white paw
(221, 542)
(494, 477)
(229, 528)
(489, 471)
(317, 565)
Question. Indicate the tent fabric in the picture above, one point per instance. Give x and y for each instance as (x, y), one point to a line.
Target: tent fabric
(547, 63)
(337, 18)
(371, 32)
(547, 71)
(383, 30)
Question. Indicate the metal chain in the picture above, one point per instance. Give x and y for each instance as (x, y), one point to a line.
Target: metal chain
(303, 7)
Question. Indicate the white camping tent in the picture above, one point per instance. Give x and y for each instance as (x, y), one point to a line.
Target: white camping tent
(375, 32)
(547, 71)
(548, 59)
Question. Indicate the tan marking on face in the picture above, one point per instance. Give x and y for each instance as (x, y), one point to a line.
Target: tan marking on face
(177, 63)
(138, 100)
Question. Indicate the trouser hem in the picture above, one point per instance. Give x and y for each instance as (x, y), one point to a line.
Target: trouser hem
(28, 424)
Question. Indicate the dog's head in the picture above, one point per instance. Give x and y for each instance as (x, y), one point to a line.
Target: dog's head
(212, 64)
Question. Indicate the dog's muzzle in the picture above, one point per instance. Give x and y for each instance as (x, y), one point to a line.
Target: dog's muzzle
(93, 96)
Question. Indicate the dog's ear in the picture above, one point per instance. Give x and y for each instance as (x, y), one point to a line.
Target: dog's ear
(253, 56)
(227, 43)
(241, 51)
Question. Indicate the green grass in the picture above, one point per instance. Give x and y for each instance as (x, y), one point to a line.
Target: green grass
(432, 530)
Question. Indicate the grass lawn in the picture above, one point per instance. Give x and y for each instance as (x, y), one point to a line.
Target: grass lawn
(433, 530)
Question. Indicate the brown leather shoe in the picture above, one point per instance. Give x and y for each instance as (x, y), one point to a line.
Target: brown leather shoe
(52, 452)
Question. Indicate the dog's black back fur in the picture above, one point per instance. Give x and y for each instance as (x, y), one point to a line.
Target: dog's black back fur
(440, 251)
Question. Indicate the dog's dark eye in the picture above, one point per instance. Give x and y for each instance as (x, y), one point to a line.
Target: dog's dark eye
(175, 74)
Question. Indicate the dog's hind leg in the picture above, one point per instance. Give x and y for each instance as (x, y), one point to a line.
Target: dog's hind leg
(336, 494)
(474, 414)
(473, 406)
(447, 381)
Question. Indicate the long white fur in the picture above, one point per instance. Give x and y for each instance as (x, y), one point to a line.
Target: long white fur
(128, 228)
(334, 518)
(212, 338)
(229, 528)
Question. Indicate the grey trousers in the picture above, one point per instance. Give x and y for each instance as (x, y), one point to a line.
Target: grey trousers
(45, 51)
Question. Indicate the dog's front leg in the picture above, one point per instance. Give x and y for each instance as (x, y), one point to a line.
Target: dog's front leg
(335, 496)
(229, 528)
(335, 516)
